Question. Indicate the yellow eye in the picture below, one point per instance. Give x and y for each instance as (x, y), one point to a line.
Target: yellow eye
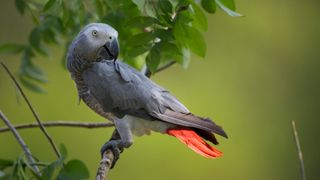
(94, 33)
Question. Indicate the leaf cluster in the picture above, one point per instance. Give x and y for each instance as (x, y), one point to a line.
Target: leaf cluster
(151, 32)
(22, 170)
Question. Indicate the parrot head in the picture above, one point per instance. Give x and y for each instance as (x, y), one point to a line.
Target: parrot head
(96, 42)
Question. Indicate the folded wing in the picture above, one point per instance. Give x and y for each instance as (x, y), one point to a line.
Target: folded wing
(122, 90)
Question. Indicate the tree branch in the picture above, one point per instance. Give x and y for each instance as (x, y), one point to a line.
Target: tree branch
(59, 124)
(296, 138)
(33, 111)
(23, 145)
(105, 165)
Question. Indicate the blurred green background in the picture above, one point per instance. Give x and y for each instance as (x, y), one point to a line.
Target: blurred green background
(260, 73)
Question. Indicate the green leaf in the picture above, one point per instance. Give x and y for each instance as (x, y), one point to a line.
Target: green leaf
(153, 59)
(169, 52)
(21, 173)
(140, 4)
(50, 170)
(139, 44)
(138, 50)
(35, 41)
(49, 36)
(140, 39)
(50, 24)
(81, 11)
(145, 7)
(200, 19)
(29, 167)
(209, 6)
(165, 6)
(165, 20)
(185, 17)
(35, 73)
(182, 3)
(35, 37)
(169, 48)
(229, 3)
(30, 85)
(49, 4)
(21, 6)
(195, 41)
(65, 14)
(229, 7)
(14, 170)
(11, 48)
(179, 32)
(63, 151)
(150, 9)
(141, 22)
(28, 71)
(53, 7)
(4, 163)
(99, 8)
(164, 35)
(187, 36)
(19, 169)
(74, 170)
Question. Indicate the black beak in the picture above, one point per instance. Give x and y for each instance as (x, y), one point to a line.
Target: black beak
(112, 49)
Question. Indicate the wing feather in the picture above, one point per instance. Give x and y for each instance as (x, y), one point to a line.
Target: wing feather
(190, 120)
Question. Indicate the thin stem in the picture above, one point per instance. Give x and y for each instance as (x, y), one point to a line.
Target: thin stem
(296, 138)
(23, 145)
(166, 66)
(148, 73)
(32, 110)
(60, 124)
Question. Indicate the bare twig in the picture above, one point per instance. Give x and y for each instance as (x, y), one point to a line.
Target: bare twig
(105, 165)
(32, 110)
(166, 66)
(296, 138)
(60, 124)
(23, 145)
(148, 73)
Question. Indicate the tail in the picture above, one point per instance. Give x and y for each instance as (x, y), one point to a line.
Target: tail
(190, 138)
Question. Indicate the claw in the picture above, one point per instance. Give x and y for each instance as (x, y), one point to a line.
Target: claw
(116, 146)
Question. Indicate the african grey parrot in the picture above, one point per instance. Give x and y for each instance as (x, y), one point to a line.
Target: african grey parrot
(134, 103)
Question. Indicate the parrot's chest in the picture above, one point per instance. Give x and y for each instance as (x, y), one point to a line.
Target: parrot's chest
(88, 98)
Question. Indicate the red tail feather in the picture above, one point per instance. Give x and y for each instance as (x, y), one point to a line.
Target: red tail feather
(195, 142)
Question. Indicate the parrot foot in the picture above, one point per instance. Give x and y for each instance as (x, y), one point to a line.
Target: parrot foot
(116, 146)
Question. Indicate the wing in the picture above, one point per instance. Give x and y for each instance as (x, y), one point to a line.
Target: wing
(115, 92)
(122, 90)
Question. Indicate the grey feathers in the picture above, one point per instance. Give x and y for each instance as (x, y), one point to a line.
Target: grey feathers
(122, 90)
(113, 89)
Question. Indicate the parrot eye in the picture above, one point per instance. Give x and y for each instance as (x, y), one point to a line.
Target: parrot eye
(94, 33)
